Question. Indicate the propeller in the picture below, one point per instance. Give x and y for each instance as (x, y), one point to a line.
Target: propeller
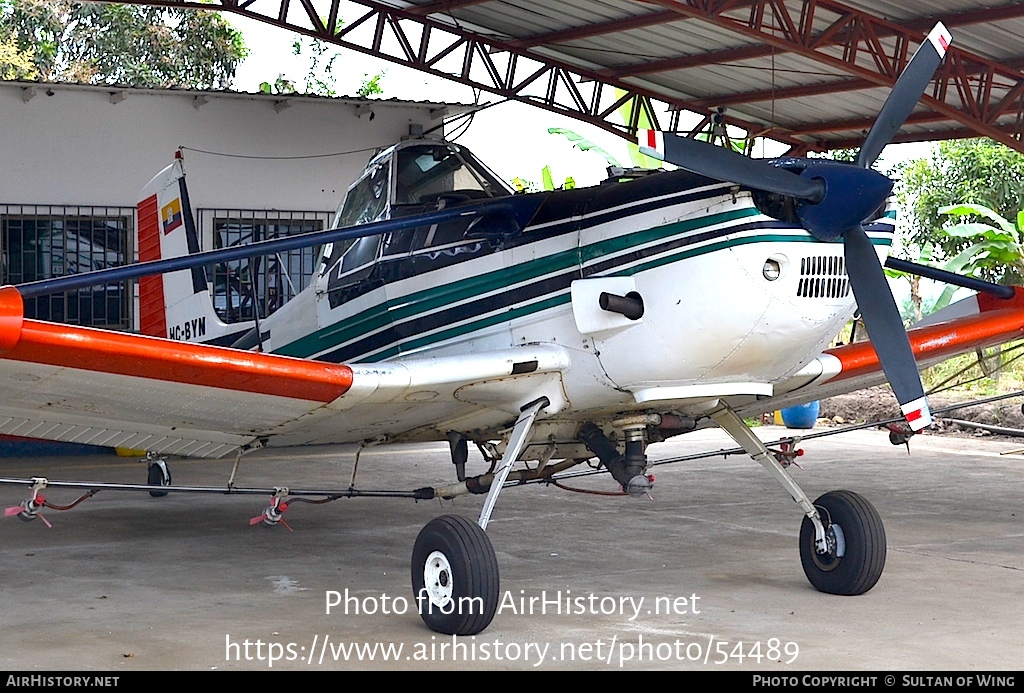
(832, 200)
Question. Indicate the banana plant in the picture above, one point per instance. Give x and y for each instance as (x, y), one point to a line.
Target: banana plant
(995, 252)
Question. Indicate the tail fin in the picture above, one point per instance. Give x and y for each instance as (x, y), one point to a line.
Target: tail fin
(176, 305)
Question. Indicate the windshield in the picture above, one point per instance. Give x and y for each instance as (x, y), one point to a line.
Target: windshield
(427, 171)
(367, 199)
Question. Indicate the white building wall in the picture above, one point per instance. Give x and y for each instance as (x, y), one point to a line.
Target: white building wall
(75, 145)
(79, 148)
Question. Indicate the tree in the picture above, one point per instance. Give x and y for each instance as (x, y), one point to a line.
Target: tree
(995, 248)
(973, 172)
(320, 79)
(976, 174)
(138, 45)
(14, 62)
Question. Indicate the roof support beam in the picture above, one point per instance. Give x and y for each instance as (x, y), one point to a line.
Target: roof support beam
(593, 30)
(984, 97)
(460, 54)
(968, 88)
(922, 25)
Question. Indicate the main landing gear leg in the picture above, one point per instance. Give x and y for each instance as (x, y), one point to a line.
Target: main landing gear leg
(454, 569)
(842, 539)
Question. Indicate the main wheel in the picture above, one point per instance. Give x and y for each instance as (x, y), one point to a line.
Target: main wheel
(455, 576)
(856, 545)
(159, 475)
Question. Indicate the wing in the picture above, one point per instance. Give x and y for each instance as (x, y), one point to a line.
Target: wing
(91, 386)
(972, 323)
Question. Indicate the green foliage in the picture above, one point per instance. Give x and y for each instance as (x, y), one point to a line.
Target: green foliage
(281, 85)
(977, 172)
(15, 63)
(995, 251)
(643, 122)
(524, 186)
(964, 376)
(837, 155)
(321, 78)
(910, 312)
(371, 85)
(138, 45)
(583, 144)
(546, 179)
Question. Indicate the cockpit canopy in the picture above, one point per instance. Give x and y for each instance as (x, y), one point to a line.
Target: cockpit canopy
(422, 173)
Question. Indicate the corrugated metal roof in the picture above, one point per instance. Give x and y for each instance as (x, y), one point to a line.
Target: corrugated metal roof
(812, 86)
(812, 73)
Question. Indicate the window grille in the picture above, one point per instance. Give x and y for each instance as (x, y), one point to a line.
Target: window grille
(47, 241)
(266, 282)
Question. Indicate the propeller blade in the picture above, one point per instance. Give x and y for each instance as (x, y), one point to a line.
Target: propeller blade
(905, 94)
(724, 164)
(885, 327)
(15, 510)
(258, 519)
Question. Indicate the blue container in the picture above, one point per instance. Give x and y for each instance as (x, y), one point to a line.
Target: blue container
(802, 415)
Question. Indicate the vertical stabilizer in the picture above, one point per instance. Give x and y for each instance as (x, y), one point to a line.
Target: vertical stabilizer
(176, 305)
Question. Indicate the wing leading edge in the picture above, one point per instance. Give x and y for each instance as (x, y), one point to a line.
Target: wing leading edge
(105, 388)
(92, 386)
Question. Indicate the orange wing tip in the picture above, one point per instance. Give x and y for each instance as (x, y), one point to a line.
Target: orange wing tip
(917, 413)
(12, 317)
(100, 351)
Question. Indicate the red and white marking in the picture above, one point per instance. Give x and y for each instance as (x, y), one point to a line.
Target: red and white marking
(917, 413)
(652, 143)
(940, 38)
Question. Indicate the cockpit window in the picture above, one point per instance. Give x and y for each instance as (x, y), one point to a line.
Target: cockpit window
(367, 200)
(427, 171)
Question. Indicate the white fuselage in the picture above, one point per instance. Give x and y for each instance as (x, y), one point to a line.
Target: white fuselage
(713, 324)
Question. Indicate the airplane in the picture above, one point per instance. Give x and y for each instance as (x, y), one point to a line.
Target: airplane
(546, 328)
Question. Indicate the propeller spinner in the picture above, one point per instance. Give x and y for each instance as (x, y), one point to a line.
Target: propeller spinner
(832, 200)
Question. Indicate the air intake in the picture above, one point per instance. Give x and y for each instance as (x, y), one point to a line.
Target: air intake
(823, 276)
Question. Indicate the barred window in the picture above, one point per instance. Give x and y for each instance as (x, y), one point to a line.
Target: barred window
(265, 283)
(46, 241)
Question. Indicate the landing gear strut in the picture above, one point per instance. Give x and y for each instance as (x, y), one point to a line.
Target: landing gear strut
(842, 539)
(454, 569)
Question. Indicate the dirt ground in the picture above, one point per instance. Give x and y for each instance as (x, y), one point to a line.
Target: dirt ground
(877, 403)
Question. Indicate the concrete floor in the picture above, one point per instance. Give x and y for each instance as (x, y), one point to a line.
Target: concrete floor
(129, 582)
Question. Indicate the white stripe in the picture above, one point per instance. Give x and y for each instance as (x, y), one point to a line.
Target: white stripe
(635, 203)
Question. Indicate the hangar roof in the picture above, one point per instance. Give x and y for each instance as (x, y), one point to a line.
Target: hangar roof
(812, 73)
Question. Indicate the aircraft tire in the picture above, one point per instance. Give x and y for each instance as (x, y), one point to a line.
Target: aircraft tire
(455, 576)
(157, 477)
(857, 539)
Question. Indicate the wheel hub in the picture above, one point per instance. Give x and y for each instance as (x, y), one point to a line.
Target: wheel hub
(836, 541)
(437, 579)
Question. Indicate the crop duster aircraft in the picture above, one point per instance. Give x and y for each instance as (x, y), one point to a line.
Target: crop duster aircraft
(546, 328)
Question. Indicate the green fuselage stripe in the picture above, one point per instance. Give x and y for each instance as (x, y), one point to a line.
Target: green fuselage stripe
(402, 308)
